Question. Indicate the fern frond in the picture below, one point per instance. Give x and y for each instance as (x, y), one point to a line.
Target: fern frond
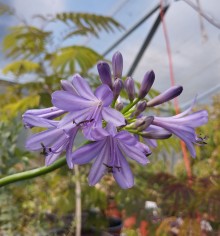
(69, 58)
(83, 31)
(23, 41)
(88, 23)
(21, 67)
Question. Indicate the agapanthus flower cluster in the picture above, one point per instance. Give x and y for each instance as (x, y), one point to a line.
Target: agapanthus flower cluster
(115, 132)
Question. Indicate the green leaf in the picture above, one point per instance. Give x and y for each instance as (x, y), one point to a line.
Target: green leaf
(12, 109)
(85, 23)
(21, 67)
(25, 42)
(70, 58)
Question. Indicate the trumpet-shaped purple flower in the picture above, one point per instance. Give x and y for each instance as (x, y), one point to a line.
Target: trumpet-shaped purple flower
(110, 151)
(183, 126)
(84, 105)
(52, 141)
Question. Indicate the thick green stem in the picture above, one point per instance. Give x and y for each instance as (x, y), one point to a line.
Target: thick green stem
(35, 172)
(130, 105)
(32, 173)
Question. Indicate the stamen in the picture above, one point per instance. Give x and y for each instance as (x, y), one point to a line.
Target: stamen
(109, 168)
(201, 140)
(85, 122)
(44, 151)
(118, 168)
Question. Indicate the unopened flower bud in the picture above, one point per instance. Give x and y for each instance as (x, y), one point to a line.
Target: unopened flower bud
(105, 73)
(117, 87)
(165, 96)
(141, 106)
(119, 106)
(142, 123)
(156, 135)
(130, 88)
(147, 122)
(117, 65)
(146, 84)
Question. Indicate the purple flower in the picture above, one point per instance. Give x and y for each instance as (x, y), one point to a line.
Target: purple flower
(183, 126)
(110, 151)
(85, 106)
(52, 141)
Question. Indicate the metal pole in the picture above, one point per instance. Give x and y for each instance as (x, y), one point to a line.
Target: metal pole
(132, 29)
(146, 42)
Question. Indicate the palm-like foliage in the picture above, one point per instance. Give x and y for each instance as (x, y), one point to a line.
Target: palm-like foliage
(35, 49)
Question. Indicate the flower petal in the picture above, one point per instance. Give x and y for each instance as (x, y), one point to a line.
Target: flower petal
(68, 86)
(82, 87)
(70, 148)
(95, 133)
(52, 157)
(133, 153)
(111, 115)
(151, 142)
(123, 176)
(31, 121)
(111, 129)
(39, 112)
(104, 94)
(69, 102)
(86, 153)
(46, 138)
(98, 168)
(126, 138)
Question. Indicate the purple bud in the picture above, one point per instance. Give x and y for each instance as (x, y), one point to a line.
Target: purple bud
(117, 87)
(129, 86)
(67, 86)
(117, 65)
(105, 73)
(166, 96)
(156, 135)
(146, 84)
(141, 106)
(143, 122)
(119, 106)
(147, 122)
